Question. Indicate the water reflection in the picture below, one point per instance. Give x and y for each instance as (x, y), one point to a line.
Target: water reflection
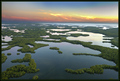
(95, 38)
(72, 48)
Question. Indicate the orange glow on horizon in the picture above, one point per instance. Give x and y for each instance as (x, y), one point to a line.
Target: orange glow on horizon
(51, 17)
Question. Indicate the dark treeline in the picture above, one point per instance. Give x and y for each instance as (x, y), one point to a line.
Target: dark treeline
(58, 31)
(84, 54)
(76, 35)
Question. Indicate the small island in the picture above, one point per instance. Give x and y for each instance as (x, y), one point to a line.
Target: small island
(60, 52)
(35, 77)
(8, 53)
(84, 54)
(54, 48)
(76, 35)
(97, 69)
(18, 53)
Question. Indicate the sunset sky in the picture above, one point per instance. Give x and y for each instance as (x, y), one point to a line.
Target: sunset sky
(60, 11)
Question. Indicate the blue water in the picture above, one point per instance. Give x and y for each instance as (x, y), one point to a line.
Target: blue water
(52, 65)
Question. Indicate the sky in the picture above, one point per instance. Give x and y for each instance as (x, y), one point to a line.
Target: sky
(60, 11)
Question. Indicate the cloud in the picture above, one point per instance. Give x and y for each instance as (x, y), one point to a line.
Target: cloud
(55, 14)
(87, 17)
(60, 18)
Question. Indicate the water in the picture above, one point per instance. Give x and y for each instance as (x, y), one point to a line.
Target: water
(16, 30)
(95, 38)
(45, 36)
(52, 39)
(6, 38)
(52, 65)
(4, 43)
(11, 57)
(4, 46)
(30, 46)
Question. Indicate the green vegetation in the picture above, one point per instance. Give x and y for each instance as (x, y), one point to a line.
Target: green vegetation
(73, 29)
(54, 48)
(18, 53)
(7, 32)
(27, 58)
(17, 60)
(3, 58)
(106, 53)
(20, 70)
(106, 41)
(58, 31)
(59, 51)
(98, 69)
(84, 54)
(115, 41)
(31, 35)
(108, 32)
(55, 37)
(8, 53)
(31, 32)
(24, 42)
(76, 35)
(51, 41)
(35, 77)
